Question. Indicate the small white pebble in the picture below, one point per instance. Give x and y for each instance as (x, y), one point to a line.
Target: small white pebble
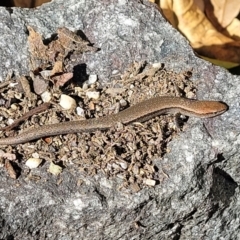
(123, 103)
(67, 102)
(123, 165)
(80, 112)
(85, 86)
(9, 156)
(18, 95)
(54, 169)
(157, 65)
(13, 84)
(190, 95)
(130, 92)
(46, 74)
(65, 158)
(33, 162)
(35, 155)
(150, 182)
(135, 169)
(14, 106)
(10, 121)
(46, 96)
(141, 171)
(121, 176)
(93, 95)
(92, 79)
(115, 166)
(114, 72)
(2, 102)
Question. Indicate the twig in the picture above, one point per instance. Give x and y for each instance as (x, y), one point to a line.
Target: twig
(33, 111)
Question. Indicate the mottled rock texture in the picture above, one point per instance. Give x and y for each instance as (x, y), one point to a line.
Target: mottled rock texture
(199, 198)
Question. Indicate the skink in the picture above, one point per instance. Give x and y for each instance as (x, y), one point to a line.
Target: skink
(140, 112)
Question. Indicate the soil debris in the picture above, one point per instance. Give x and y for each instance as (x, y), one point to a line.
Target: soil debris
(126, 152)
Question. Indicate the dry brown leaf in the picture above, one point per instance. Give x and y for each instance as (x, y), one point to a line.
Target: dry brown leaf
(222, 52)
(204, 38)
(224, 11)
(167, 9)
(200, 4)
(28, 3)
(195, 26)
(233, 29)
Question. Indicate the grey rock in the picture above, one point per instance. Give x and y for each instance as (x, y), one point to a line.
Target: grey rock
(200, 197)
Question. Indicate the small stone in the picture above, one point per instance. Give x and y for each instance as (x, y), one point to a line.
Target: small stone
(67, 102)
(46, 74)
(40, 85)
(123, 165)
(135, 169)
(91, 106)
(150, 182)
(85, 86)
(35, 155)
(157, 65)
(8, 155)
(123, 103)
(80, 112)
(33, 162)
(14, 106)
(46, 96)
(130, 92)
(115, 71)
(115, 91)
(190, 95)
(92, 79)
(93, 95)
(10, 169)
(135, 187)
(12, 85)
(10, 121)
(18, 95)
(54, 169)
(115, 166)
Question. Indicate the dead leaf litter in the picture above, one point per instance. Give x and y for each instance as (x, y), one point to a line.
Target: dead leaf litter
(127, 152)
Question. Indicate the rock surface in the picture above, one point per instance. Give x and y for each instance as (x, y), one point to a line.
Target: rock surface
(199, 196)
